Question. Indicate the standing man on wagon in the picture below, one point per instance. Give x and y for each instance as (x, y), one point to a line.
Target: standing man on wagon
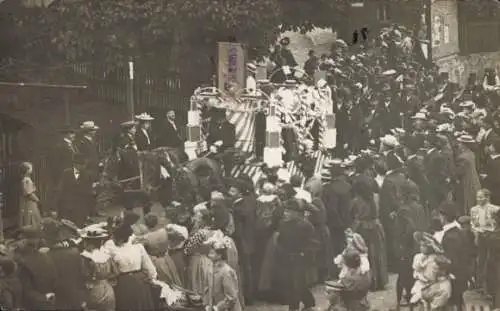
(221, 139)
(169, 135)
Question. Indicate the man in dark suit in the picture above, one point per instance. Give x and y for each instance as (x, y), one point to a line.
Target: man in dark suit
(64, 150)
(336, 196)
(492, 179)
(390, 201)
(143, 137)
(436, 167)
(221, 140)
(168, 135)
(74, 199)
(415, 170)
(455, 245)
(87, 146)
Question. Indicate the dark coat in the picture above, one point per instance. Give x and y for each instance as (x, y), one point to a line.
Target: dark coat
(168, 136)
(89, 150)
(455, 249)
(492, 181)
(61, 158)
(390, 201)
(297, 245)
(74, 198)
(70, 286)
(336, 196)
(245, 217)
(468, 182)
(437, 174)
(226, 132)
(391, 193)
(38, 275)
(142, 141)
(416, 172)
(288, 57)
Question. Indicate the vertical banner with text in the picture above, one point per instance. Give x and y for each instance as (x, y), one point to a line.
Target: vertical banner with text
(231, 66)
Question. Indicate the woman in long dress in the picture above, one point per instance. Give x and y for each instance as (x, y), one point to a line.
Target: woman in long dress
(28, 202)
(368, 225)
(100, 270)
(199, 266)
(136, 272)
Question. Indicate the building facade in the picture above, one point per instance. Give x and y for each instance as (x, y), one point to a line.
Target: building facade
(464, 41)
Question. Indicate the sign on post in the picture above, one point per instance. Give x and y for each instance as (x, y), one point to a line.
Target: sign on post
(231, 66)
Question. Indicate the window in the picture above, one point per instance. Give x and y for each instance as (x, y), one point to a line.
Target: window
(482, 37)
(446, 38)
(438, 30)
(383, 12)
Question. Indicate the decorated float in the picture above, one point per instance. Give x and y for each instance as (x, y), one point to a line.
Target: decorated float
(292, 109)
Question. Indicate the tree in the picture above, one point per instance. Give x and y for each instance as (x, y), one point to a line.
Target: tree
(164, 30)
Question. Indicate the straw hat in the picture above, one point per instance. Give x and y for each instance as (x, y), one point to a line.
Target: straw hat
(389, 141)
(144, 117)
(398, 131)
(419, 116)
(88, 126)
(467, 139)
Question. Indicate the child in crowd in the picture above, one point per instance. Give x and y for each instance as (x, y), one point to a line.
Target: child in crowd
(354, 242)
(432, 280)
(351, 290)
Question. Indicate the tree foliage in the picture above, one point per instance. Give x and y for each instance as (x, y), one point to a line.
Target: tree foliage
(180, 32)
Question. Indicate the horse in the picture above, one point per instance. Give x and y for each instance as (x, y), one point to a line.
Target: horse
(191, 181)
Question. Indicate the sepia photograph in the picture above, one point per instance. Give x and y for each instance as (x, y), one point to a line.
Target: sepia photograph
(250, 155)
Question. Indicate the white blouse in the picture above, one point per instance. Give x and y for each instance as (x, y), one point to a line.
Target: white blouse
(133, 257)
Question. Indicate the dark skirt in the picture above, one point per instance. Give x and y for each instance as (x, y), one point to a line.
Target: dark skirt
(133, 292)
(373, 234)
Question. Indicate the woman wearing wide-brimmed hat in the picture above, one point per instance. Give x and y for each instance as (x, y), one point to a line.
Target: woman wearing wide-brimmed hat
(99, 270)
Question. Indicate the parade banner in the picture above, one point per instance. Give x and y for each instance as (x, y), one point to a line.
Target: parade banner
(231, 66)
